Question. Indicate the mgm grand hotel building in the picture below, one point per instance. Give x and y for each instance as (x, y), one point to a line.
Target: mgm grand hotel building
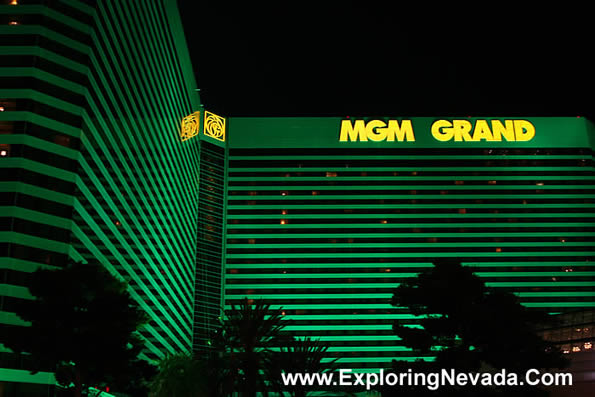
(327, 216)
(108, 156)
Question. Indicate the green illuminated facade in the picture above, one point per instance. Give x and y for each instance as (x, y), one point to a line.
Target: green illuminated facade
(327, 229)
(91, 163)
(92, 167)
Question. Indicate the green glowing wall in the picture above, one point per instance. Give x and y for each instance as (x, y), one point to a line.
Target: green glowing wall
(328, 229)
(93, 168)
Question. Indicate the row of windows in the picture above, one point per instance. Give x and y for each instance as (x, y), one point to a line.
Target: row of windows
(29, 105)
(553, 247)
(321, 269)
(419, 173)
(35, 203)
(37, 131)
(329, 225)
(41, 180)
(587, 189)
(34, 61)
(388, 211)
(419, 199)
(50, 89)
(413, 228)
(58, 26)
(353, 278)
(243, 167)
(410, 239)
(34, 229)
(387, 290)
(33, 254)
(329, 152)
(42, 156)
(8, 39)
(413, 182)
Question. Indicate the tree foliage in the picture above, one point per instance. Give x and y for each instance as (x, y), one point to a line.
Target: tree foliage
(248, 353)
(469, 327)
(248, 336)
(299, 356)
(83, 324)
(181, 376)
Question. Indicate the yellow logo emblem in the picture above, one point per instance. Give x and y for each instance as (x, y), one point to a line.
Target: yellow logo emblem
(190, 126)
(214, 126)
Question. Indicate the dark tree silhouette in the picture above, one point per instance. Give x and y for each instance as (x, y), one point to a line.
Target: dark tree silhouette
(181, 375)
(249, 335)
(83, 324)
(469, 327)
(299, 356)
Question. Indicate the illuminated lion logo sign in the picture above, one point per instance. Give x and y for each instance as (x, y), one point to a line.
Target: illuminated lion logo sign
(214, 126)
(190, 126)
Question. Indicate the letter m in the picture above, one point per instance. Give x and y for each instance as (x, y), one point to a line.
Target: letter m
(353, 132)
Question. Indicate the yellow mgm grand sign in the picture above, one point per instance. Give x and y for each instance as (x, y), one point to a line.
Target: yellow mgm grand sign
(441, 130)
(214, 126)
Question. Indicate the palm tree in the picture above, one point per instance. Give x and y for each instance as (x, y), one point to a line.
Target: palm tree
(250, 332)
(300, 356)
(181, 375)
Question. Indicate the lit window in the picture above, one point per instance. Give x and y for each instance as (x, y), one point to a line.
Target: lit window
(588, 345)
(3, 153)
(2, 108)
(283, 222)
(576, 349)
(331, 174)
(14, 3)
(13, 23)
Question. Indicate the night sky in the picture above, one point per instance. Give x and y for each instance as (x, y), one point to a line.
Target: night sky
(319, 59)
